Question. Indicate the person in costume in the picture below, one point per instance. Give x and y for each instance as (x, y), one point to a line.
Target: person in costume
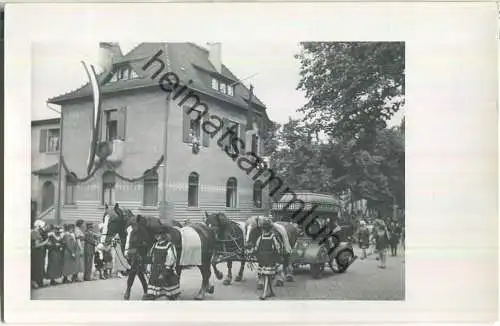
(89, 250)
(363, 238)
(267, 249)
(382, 236)
(70, 250)
(120, 264)
(164, 280)
(55, 249)
(80, 238)
(38, 252)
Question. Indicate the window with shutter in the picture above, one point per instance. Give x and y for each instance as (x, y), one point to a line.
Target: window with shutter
(235, 127)
(255, 146)
(108, 188)
(122, 123)
(206, 135)
(111, 125)
(43, 141)
(69, 194)
(53, 140)
(186, 124)
(150, 189)
(231, 192)
(257, 194)
(243, 135)
(193, 189)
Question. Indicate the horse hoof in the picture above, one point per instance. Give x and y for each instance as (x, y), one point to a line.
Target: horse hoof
(238, 278)
(126, 296)
(227, 282)
(289, 278)
(280, 283)
(219, 275)
(262, 297)
(260, 286)
(211, 289)
(200, 297)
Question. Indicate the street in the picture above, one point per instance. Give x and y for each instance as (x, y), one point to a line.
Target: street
(362, 281)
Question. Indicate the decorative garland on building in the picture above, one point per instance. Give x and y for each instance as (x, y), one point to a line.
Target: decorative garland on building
(101, 164)
(146, 174)
(73, 174)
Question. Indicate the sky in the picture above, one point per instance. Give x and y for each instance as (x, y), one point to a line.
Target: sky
(57, 69)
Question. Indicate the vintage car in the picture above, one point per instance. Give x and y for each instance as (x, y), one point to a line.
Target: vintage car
(336, 252)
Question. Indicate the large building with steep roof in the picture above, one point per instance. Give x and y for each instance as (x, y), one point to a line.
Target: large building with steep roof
(134, 109)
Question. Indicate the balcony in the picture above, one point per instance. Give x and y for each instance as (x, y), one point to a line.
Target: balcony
(113, 151)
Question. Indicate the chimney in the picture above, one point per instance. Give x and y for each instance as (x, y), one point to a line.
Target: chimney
(108, 53)
(215, 55)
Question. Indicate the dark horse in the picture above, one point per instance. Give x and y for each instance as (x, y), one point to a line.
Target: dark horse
(135, 231)
(234, 237)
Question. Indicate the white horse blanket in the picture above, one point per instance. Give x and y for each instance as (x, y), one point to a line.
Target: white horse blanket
(191, 247)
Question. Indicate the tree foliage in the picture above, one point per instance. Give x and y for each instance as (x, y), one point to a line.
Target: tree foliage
(353, 87)
(305, 163)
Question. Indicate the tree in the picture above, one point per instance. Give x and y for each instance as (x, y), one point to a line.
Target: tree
(270, 137)
(352, 88)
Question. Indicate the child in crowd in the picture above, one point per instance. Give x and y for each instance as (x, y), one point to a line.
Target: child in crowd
(164, 280)
(267, 249)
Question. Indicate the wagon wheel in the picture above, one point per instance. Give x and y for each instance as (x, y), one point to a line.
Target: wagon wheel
(342, 261)
(317, 270)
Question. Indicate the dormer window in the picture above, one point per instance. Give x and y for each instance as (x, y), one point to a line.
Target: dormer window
(124, 73)
(222, 87)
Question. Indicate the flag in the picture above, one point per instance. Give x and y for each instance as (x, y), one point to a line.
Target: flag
(250, 110)
(96, 115)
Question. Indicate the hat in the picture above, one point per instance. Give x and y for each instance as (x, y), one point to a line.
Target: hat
(163, 229)
(267, 224)
(39, 224)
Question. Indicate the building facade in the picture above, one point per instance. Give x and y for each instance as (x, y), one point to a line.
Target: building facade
(136, 113)
(45, 145)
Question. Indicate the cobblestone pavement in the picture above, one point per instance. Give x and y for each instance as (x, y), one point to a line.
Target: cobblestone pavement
(362, 281)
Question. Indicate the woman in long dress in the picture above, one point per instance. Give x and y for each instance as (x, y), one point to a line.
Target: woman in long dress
(164, 280)
(382, 237)
(55, 256)
(70, 249)
(120, 264)
(363, 238)
(80, 259)
(267, 251)
(38, 250)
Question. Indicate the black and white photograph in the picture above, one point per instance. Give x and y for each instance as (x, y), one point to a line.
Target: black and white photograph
(270, 163)
(166, 176)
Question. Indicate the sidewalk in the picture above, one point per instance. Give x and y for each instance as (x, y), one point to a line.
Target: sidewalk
(371, 251)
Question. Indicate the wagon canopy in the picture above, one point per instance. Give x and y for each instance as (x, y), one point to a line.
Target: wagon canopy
(290, 203)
